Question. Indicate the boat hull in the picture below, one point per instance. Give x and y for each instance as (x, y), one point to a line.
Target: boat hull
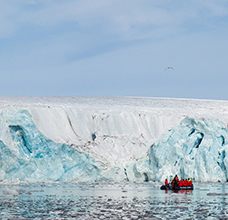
(167, 187)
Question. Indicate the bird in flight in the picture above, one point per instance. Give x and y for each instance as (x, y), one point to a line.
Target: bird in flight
(169, 68)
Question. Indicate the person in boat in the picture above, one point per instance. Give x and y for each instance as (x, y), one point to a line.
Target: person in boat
(189, 181)
(172, 182)
(175, 182)
(180, 183)
(166, 182)
(186, 182)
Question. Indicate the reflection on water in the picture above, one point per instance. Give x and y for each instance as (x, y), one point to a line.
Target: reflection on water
(107, 200)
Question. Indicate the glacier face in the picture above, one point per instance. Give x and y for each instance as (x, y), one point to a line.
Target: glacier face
(59, 142)
(33, 157)
(193, 148)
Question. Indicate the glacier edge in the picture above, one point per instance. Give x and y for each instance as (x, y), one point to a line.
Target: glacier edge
(114, 145)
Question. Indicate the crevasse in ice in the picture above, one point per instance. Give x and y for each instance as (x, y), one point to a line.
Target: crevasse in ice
(195, 148)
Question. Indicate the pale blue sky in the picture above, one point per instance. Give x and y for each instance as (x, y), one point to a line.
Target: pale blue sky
(114, 48)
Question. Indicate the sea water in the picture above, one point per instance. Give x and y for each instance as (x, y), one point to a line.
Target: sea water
(111, 200)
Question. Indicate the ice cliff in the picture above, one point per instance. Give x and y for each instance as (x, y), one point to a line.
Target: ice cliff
(93, 139)
(193, 148)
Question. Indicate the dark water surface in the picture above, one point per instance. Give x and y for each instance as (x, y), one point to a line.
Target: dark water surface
(107, 200)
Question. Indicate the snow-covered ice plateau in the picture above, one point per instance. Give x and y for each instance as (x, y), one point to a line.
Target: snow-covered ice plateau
(112, 138)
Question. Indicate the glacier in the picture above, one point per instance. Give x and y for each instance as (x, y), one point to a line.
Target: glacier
(112, 139)
(193, 148)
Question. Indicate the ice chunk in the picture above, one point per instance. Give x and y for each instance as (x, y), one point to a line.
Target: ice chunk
(7, 191)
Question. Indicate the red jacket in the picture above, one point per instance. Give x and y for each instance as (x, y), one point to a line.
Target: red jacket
(186, 182)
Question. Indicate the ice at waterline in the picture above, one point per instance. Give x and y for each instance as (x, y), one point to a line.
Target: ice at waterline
(94, 139)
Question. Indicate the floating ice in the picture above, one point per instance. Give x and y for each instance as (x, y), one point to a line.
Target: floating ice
(7, 191)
